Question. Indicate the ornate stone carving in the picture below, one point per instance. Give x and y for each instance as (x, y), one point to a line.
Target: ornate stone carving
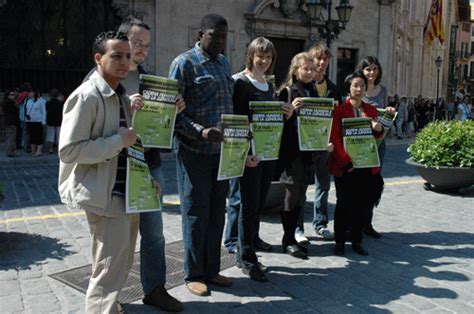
(290, 7)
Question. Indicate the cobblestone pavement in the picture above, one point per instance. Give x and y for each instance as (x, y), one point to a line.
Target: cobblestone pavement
(423, 263)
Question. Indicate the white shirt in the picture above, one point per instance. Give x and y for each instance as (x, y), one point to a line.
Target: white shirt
(36, 110)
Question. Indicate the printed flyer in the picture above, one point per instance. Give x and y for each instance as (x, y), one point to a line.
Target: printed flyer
(387, 120)
(267, 128)
(154, 123)
(315, 123)
(359, 142)
(140, 194)
(235, 147)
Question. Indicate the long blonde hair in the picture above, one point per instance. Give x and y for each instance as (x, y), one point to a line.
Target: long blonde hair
(296, 63)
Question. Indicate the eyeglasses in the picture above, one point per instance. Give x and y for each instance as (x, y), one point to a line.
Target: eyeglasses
(140, 45)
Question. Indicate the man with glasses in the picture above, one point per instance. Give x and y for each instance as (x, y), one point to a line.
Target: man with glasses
(152, 251)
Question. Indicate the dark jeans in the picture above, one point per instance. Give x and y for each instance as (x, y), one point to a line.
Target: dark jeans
(231, 229)
(202, 208)
(322, 184)
(354, 193)
(254, 186)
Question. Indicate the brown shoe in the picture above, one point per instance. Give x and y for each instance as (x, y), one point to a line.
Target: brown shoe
(198, 288)
(160, 298)
(220, 281)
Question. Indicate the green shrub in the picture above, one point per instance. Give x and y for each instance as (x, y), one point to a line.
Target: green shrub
(445, 144)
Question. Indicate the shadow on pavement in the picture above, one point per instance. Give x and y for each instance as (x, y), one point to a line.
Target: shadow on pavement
(403, 267)
(21, 251)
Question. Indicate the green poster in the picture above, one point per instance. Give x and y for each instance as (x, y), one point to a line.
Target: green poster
(154, 123)
(267, 128)
(359, 142)
(234, 147)
(387, 120)
(140, 194)
(315, 123)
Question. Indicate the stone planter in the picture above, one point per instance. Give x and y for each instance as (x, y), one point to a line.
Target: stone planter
(444, 178)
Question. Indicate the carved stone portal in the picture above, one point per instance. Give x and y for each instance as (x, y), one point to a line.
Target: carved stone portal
(281, 19)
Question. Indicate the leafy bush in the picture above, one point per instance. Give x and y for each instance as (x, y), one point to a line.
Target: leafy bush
(445, 144)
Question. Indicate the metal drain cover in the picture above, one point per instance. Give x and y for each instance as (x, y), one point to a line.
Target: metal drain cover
(78, 278)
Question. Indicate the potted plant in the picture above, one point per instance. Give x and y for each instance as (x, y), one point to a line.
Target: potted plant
(443, 154)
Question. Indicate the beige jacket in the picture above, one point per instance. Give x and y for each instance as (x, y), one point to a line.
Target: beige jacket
(89, 146)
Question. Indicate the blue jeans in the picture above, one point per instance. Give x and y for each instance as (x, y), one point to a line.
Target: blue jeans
(203, 212)
(322, 181)
(152, 251)
(231, 229)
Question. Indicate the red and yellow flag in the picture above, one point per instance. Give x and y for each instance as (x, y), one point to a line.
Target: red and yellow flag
(434, 26)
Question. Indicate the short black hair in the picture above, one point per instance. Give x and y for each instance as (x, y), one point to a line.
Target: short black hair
(102, 38)
(351, 77)
(368, 61)
(131, 21)
(211, 21)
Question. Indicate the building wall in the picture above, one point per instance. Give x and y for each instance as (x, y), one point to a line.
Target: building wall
(391, 30)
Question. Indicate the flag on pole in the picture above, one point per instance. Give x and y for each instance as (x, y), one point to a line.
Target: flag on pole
(434, 27)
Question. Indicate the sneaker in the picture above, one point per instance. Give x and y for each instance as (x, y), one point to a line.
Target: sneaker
(160, 298)
(301, 238)
(325, 234)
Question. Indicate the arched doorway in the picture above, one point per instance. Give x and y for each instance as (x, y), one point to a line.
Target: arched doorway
(48, 43)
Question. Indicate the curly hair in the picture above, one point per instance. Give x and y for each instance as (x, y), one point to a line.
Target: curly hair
(99, 43)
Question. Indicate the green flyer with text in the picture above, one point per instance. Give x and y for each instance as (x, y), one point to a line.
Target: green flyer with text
(140, 196)
(267, 128)
(359, 142)
(154, 123)
(235, 146)
(387, 120)
(315, 123)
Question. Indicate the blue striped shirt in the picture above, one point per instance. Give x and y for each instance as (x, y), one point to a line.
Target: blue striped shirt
(207, 87)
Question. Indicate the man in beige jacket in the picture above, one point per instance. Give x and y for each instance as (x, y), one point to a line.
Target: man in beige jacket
(95, 133)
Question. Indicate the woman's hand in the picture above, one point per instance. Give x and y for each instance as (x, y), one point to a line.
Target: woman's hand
(297, 103)
(251, 161)
(377, 127)
(136, 102)
(180, 103)
(390, 110)
(287, 110)
(330, 147)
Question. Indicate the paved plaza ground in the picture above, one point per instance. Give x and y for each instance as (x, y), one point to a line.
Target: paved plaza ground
(423, 263)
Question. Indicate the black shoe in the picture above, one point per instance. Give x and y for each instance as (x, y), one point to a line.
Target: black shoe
(370, 231)
(263, 246)
(339, 249)
(303, 248)
(160, 298)
(359, 249)
(255, 274)
(295, 251)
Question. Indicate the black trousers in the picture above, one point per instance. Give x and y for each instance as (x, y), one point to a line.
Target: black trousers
(254, 186)
(356, 194)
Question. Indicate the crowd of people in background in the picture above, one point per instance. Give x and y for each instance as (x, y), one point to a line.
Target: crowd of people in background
(31, 121)
(415, 113)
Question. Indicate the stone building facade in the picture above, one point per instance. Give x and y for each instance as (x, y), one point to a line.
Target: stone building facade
(392, 30)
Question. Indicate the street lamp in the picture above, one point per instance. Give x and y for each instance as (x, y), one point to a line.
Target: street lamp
(329, 28)
(438, 62)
